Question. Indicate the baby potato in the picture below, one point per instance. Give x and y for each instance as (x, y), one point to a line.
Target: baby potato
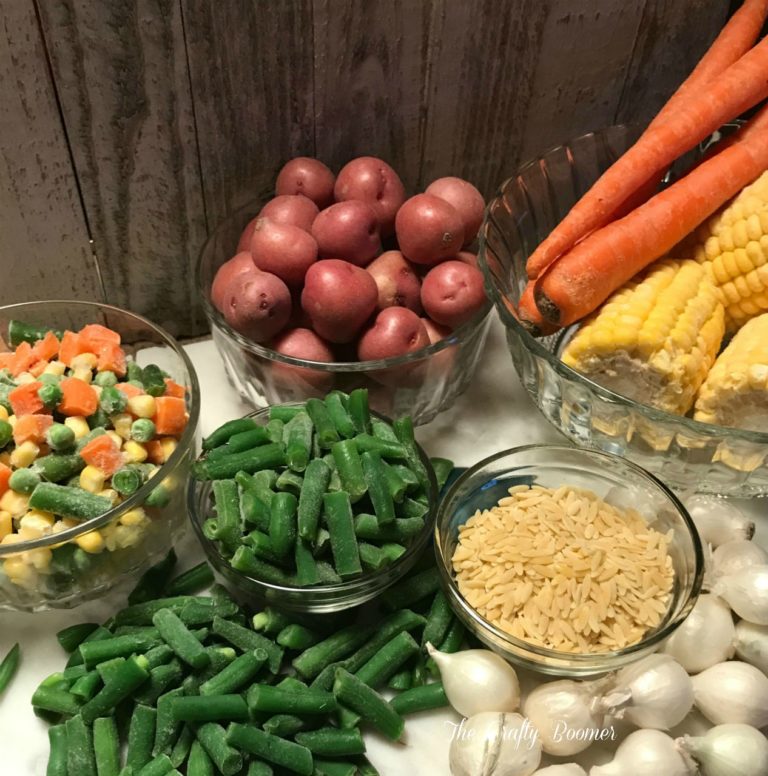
(397, 282)
(468, 258)
(374, 182)
(244, 243)
(348, 231)
(241, 264)
(435, 331)
(307, 176)
(293, 209)
(339, 298)
(305, 344)
(465, 198)
(428, 229)
(395, 332)
(283, 249)
(452, 293)
(257, 305)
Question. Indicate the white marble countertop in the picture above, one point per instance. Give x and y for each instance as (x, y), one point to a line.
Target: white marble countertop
(495, 413)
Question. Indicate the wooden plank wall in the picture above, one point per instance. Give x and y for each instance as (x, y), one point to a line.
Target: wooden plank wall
(131, 127)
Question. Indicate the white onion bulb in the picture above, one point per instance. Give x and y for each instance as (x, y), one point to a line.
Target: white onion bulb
(746, 592)
(566, 769)
(717, 520)
(731, 557)
(646, 753)
(732, 692)
(752, 644)
(729, 750)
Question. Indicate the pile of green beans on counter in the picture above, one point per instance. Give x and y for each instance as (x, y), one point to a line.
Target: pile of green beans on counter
(322, 493)
(195, 684)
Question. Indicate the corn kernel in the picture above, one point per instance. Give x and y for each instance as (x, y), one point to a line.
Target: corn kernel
(24, 377)
(122, 424)
(84, 361)
(40, 558)
(15, 503)
(83, 374)
(78, 424)
(127, 536)
(134, 517)
(142, 406)
(92, 542)
(30, 533)
(111, 494)
(12, 538)
(169, 444)
(6, 524)
(19, 571)
(55, 368)
(92, 479)
(134, 452)
(38, 522)
(12, 420)
(116, 438)
(24, 455)
(3, 413)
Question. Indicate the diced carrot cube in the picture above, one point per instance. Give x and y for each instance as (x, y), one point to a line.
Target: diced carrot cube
(79, 398)
(155, 452)
(128, 390)
(69, 347)
(24, 399)
(112, 358)
(5, 475)
(170, 415)
(38, 368)
(22, 359)
(94, 335)
(46, 348)
(6, 359)
(174, 389)
(103, 453)
(31, 428)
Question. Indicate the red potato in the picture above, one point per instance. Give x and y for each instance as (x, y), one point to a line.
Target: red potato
(397, 282)
(307, 176)
(239, 266)
(244, 243)
(293, 209)
(284, 250)
(465, 198)
(453, 292)
(301, 381)
(374, 182)
(440, 364)
(468, 258)
(339, 298)
(395, 332)
(258, 306)
(428, 229)
(304, 344)
(435, 331)
(348, 231)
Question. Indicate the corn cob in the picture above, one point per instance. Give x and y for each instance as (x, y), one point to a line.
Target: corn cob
(655, 339)
(733, 245)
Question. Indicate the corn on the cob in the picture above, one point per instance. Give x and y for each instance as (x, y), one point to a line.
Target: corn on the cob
(733, 245)
(655, 339)
(735, 392)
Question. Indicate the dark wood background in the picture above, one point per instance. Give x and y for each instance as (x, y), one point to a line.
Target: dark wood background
(129, 128)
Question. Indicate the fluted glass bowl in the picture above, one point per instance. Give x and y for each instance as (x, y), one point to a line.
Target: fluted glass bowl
(55, 571)
(420, 384)
(617, 481)
(687, 454)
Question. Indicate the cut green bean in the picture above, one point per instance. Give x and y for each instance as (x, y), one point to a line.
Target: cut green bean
(245, 560)
(56, 467)
(268, 456)
(221, 656)
(442, 468)
(282, 525)
(247, 440)
(178, 637)
(371, 556)
(214, 739)
(326, 573)
(332, 741)
(334, 768)
(226, 431)
(86, 686)
(209, 708)
(270, 620)
(412, 484)
(350, 469)
(199, 763)
(382, 430)
(158, 656)
(297, 436)
(262, 547)
(247, 640)
(322, 542)
(283, 725)
(289, 481)
(68, 501)
(395, 483)
(378, 490)
(438, 620)
(412, 589)
(306, 567)
(74, 673)
(259, 768)
(325, 429)
(271, 748)
(238, 673)
(109, 668)
(106, 746)
(403, 428)
(401, 680)
(315, 483)
(430, 696)
(400, 530)
(159, 766)
(392, 551)
(453, 638)
(141, 736)
(153, 580)
(275, 700)
(57, 701)
(191, 581)
(9, 666)
(127, 480)
(388, 660)
(275, 429)
(161, 679)
(364, 767)
(227, 503)
(340, 644)
(98, 634)
(127, 679)
(57, 759)
(419, 673)
(95, 652)
(284, 412)
(192, 610)
(297, 637)
(167, 727)
(347, 719)
(81, 760)
(359, 412)
(338, 516)
(371, 706)
(335, 403)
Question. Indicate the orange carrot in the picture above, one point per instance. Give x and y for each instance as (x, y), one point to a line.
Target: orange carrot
(739, 87)
(31, 428)
(174, 389)
(79, 398)
(23, 358)
(111, 357)
(46, 348)
(24, 399)
(170, 415)
(5, 475)
(529, 315)
(103, 453)
(128, 390)
(583, 278)
(94, 335)
(155, 452)
(69, 347)
(6, 359)
(38, 368)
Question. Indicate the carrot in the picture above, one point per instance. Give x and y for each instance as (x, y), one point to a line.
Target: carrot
(112, 358)
(174, 389)
(170, 415)
(37, 368)
(583, 278)
(128, 390)
(103, 453)
(529, 315)
(69, 347)
(79, 398)
(5, 475)
(155, 452)
(23, 358)
(6, 359)
(94, 336)
(31, 428)
(24, 399)
(46, 348)
(739, 87)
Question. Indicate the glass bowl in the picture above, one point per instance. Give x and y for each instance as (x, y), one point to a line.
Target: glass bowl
(617, 481)
(73, 575)
(686, 453)
(421, 384)
(317, 599)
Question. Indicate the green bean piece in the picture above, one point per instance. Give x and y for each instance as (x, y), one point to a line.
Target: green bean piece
(262, 547)
(382, 430)
(154, 579)
(332, 741)
(401, 530)
(247, 440)
(335, 403)
(143, 430)
(199, 763)
(276, 700)
(430, 696)
(396, 485)
(365, 443)
(68, 501)
(19, 331)
(254, 501)
(334, 768)
(271, 748)
(306, 568)
(297, 437)
(371, 706)
(297, 637)
(214, 739)
(454, 637)
(350, 469)
(401, 680)
(226, 431)
(209, 708)
(378, 489)
(158, 656)
(81, 760)
(282, 525)
(283, 725)
(178, 637)
(56, 467)
(411, 508)
(270, 620)
(98, 634)
(359, 411)
(385, 663)
(127, 480)
(275, 429)
(392, 551)
(24, 480)
(247, 640)
(55, 700)
(9, 666)
(107, 670)
(234, 676)
(227, 502)
(334, 483)
(325, 429)
(106, 746)
(347, 719)
(412, 484)
(246, 561)
(96, 652)
(192, 610)
(364, 767)
(326, 574)
(442, 468)
(167, 727)
(371, 556)
(59, 437)
(128, 771)
(259, 768)
(419, 673)
(191, 581)
(337, 646)
(285, 412)
(6, 431)
(412, 589)
(338, 516)
(86, 686)
(159, 497)
(161, 679)
(141, 736)
(314, 485)
(438, 620)
(74, 673)
(127, 678)
(221, 656)
(159, 766)
(57, 759)
(265, 457)
(403, 428)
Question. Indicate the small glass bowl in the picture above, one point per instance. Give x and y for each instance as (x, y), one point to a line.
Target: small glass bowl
(317, 599)
(57, 572)
(617, 481)
(421, 384)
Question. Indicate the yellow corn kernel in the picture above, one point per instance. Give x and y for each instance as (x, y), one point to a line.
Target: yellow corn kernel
(30, 533)
(92, 542)
(55, 368)
(134, 452)
(24, 455)
(127, 536)
(19, 571)
(24, 377)
(11, 538)
(111, 494)
(40, 558)
(3, 413)
(78, 424)
(84, 361)
(122, 424)
(134, 517)
(6, 524)
(92, 479)
(15, 503)
(142, 406)
(83, 374)
(12, 420)
(64, 524)
(37, 520)
(116, 438)
(168, 445)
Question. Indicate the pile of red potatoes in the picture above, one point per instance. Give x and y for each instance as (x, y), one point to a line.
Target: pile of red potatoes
(311, 280)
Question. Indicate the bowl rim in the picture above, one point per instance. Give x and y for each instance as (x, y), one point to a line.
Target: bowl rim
(186, 440)
(501, 302)
(545, 653)
(196, 515)
(458, 335)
